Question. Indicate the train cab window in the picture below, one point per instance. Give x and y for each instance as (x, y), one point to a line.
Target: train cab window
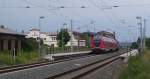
(109, 35)
(97, 40)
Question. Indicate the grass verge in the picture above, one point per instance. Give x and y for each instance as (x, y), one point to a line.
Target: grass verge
(138, 67)
(22, 58)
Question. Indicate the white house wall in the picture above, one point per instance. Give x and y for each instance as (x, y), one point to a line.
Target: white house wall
(51, 39)
(47, 39)
(33, 34)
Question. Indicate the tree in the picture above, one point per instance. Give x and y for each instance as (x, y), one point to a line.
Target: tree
(63, 37)
(134, 45)
(148, 42)
(29, 44)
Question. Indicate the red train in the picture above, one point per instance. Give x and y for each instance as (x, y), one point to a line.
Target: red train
(103, 41)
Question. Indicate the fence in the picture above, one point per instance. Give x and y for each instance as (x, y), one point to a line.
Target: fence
(53, 50)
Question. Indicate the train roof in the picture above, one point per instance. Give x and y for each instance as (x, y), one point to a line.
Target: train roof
(105, 32)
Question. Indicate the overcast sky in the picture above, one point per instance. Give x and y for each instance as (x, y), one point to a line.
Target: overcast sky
(15, 15)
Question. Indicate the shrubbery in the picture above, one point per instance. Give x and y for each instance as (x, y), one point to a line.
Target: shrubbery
(136, 45)
(29, 44)
(138, 67)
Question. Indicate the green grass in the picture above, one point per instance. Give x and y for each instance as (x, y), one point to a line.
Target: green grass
(22, 58)
(138, 67)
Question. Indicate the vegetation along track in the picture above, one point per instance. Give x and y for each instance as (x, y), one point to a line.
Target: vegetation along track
(85, 69)
(42, 63)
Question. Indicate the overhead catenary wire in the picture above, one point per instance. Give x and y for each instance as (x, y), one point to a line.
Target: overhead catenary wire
(36, 5)
(109, 18)
(68, 17)
(74, 12)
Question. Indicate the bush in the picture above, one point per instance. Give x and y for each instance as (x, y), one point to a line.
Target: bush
(134, 45)
(30, 44)
(138, 68)
(148, 42)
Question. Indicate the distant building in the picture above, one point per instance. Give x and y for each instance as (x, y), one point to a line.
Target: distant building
(76, 40)
(50, 38)
(9, 39)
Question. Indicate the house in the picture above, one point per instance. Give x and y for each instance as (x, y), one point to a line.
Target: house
(9, 39)
(76, 39)
(50, 38)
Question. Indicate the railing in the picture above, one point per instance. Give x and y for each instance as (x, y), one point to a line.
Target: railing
(53, 50)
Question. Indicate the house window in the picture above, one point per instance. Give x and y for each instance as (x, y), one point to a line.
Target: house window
(53, 38)
(34, 34)
(37, 38)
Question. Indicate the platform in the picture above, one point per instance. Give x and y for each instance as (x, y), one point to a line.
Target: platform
(51, 56)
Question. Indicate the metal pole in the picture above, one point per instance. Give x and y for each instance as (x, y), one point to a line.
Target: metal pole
(39, 38)
(93, 25)
(14, 55)
(71, 36)
(144, 34)
(141, 35)
(88, 35)
(78, 38)
(41, 17)
(62, 39)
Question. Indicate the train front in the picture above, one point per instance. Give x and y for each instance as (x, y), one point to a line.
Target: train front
(97, 44)
(103, 42)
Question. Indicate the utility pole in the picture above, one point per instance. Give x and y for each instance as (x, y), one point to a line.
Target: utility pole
(39, 39)
(88, 34)
(62, 36)
(78, 37)
(93, 25)
(144, 33)
(62, 39)
(141, 36)
(41, 17)
(71, 36)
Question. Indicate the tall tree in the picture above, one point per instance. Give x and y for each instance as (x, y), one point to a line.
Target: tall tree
(148, 42)
(63, 37)
(134, 45)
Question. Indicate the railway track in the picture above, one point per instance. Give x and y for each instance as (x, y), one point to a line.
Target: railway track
(27, 66)
(53, 69)
(82, 71)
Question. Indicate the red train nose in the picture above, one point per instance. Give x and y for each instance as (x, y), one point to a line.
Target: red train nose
(102, 45)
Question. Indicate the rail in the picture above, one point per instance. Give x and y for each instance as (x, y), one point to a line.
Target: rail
(81, 71)
(26, 66)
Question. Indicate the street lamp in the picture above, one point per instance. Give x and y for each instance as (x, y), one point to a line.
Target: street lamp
(109, 7)
(115, 6)
(71, 24)
(93, 25)
(71, 7)
(40, 18)
(142, 32)
(138, 17)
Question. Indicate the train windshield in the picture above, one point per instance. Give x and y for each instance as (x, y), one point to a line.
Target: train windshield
(97, 40)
